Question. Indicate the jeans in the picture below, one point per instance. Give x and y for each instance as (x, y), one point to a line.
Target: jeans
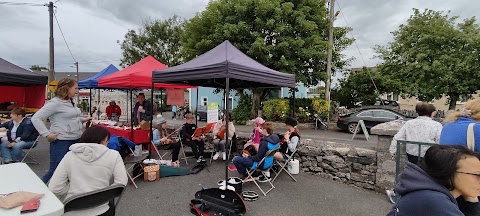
(242, 164)
(198, 147)
(175, 150)
(58, 149)
(219, 145)
(14, 153)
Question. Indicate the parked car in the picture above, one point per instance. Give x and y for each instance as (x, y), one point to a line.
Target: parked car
(370, 116)
(202, 113)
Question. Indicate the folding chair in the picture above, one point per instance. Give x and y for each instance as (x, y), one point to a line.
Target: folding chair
(133, 160)
(232, 141)
(26, 153)
(182, 149)
(95, 198)
(265, 164)
(283, 164)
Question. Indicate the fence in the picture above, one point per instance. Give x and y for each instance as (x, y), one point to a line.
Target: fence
(401, 145)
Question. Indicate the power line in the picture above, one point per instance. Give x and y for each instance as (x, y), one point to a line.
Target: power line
(356, 45)
(69, 63)
(20, 4)
(68, 47)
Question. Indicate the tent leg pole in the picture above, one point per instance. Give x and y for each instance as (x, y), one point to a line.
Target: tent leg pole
(196, 110)
(131, 108)
(226, 113)
(151, 123)
(98, 108)
(90, 103)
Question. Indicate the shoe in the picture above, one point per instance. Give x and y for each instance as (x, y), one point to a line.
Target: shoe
(263, 178)
(200, 159)
(176, 164)
(391, 196)
(7, 161)
(224, 156)
(215, 157)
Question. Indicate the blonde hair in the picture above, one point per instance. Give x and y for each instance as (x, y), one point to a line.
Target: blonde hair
(471, 110)
(268, 126)
(61, 91)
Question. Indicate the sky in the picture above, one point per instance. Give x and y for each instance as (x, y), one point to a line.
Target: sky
(93, 27)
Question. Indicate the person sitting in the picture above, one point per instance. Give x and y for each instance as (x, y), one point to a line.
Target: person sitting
(219, 139)
(196, 143)
(89, 166)
(160, 138)
(244, 162)
(142, 110)
(290, 140)
(113, 111)
(256, 134)
(444, 174)
(21, 134)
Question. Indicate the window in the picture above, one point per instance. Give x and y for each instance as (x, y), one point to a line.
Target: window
(365, 114)
(384, 114)
(204, 101)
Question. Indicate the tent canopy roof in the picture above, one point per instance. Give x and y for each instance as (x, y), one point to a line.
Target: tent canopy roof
(137, 76)
(14, 75)
(224, 61)
(92, 82)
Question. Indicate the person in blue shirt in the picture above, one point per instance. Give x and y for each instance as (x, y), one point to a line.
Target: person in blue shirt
(455, 132)
(160, 139)
(174, 112)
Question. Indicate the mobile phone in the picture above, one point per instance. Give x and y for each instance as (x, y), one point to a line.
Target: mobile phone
(30, 206)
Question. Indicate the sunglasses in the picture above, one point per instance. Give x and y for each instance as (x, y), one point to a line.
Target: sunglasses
(475, 174)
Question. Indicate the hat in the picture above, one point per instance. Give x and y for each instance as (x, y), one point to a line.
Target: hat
(291, 121)
(259, 120)
(161, 120)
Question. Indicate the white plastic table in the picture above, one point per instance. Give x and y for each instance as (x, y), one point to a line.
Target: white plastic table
(19, 177)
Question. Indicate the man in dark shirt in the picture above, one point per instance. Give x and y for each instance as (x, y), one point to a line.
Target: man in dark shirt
(196, 143)
(142, 110)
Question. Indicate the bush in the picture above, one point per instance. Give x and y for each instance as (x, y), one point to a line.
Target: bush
(242, 113)
(276, 109)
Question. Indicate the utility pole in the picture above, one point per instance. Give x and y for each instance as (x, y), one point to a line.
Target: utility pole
(331, 16)
(51, 70)
(78, 95)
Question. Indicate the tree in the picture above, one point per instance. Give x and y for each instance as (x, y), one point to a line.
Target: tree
(285, 35)
(158, 38)
(434, 56)
(358, 87)
(38, 68)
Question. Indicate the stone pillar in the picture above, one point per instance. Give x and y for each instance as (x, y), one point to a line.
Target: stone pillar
(385, 175)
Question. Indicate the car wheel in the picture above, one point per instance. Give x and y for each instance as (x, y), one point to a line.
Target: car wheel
(351, 127)
(198, 118)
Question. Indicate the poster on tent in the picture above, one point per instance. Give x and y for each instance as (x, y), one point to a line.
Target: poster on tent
(175, 97)
(212, 112)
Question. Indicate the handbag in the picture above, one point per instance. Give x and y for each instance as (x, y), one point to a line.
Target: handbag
(471, 137)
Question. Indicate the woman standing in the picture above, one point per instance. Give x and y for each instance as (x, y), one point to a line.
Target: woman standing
(65, 123)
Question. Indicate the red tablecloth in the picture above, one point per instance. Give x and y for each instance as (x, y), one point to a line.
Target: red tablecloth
(139, 136)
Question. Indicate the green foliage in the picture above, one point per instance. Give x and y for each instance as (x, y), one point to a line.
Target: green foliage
(359, 87)
(241, 113)
(434, 56)
(285, 35)
(276, 109)
(38, 68)
(158, 38)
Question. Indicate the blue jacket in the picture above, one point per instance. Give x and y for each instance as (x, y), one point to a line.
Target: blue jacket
(263, 148)
(455, 133)
(420, 195)
(25, 130)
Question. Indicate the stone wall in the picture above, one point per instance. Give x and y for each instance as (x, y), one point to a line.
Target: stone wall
(340, 162)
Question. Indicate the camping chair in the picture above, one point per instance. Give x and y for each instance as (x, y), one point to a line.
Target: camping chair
(283, 164)
(133, 161)
(182, 148)
(26, 153)
(95, 198)
(265, 164)
(233, 142)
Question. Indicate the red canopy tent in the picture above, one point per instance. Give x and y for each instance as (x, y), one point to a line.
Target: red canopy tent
(137, 76)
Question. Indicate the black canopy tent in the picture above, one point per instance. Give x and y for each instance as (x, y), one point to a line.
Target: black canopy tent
(227, 68)
(13, 75)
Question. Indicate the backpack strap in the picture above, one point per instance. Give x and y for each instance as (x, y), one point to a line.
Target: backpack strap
(471, 137)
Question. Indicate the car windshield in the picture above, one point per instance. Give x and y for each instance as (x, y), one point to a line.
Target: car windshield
(365, 114)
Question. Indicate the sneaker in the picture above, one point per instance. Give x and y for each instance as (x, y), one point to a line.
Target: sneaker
(224, 154)
(391, 196)
(215, 157)
(200, 159)
(263, 178)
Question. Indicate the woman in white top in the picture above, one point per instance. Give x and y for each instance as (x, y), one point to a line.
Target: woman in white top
(89, 165)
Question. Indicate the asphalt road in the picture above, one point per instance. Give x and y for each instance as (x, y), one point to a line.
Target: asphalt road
(311, 195)
(332, 134)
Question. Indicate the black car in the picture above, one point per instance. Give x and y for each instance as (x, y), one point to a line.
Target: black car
(202, 113)
(370, 116)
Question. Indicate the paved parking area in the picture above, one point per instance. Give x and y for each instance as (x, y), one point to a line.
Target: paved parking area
(311, 195)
